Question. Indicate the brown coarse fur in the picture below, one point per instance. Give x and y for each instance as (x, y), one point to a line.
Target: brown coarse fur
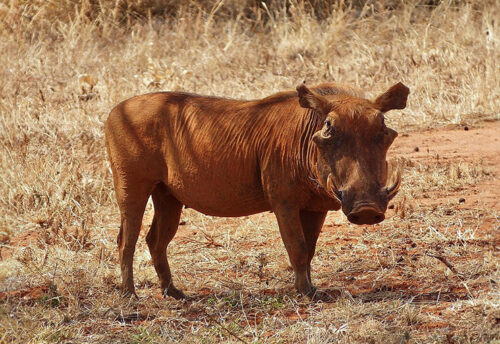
(227, 157)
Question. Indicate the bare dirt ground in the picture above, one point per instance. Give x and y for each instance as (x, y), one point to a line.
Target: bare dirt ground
(476, 145)
(428, 273)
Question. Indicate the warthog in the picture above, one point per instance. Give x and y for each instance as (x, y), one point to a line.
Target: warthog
(297, 154)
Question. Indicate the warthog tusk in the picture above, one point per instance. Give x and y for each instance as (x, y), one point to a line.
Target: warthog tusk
(325, 136)
(332, 189)
(394, 188)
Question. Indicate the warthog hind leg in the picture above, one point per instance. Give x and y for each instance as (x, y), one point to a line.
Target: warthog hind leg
(132, 202)
(165, 223)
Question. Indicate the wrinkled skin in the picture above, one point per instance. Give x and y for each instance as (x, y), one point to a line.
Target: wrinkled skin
(298, 154)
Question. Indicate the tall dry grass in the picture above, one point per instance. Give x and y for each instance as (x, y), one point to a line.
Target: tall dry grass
(65, 63)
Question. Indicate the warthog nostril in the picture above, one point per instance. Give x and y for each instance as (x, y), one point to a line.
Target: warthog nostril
(354, 218)
(378, 218)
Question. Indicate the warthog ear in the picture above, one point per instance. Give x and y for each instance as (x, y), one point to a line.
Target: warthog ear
(311, 100)
(394, 98)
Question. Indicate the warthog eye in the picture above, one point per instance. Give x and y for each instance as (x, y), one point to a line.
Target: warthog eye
(328, 131)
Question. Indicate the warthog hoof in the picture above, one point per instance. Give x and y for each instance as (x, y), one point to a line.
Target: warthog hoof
(175, 293)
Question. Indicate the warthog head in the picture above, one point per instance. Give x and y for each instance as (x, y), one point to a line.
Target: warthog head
(353, 145)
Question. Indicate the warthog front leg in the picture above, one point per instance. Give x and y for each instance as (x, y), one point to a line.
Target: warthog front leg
(289, 222)
(312, 222)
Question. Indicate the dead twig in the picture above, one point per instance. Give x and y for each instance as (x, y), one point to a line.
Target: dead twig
(213, 318)
(444, 261)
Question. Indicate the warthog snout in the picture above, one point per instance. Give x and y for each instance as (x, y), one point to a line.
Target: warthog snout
(365, 215)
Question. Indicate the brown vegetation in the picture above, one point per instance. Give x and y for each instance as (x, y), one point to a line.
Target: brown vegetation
(64, 64)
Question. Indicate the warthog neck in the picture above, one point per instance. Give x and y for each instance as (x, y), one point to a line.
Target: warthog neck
(308, 154)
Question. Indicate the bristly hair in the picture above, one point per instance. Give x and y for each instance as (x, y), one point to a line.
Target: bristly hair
(322, 89)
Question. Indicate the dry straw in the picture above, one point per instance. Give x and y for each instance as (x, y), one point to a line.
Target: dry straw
(65, 63)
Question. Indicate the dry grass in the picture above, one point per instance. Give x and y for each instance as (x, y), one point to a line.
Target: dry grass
(64, 64)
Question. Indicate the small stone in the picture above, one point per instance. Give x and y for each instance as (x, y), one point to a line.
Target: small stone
(466, 128)
(416, 149)
(461, 200)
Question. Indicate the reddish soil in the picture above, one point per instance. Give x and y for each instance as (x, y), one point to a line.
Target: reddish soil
(479, 145)
(482, 142)
(27, 295)
(24, 239)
